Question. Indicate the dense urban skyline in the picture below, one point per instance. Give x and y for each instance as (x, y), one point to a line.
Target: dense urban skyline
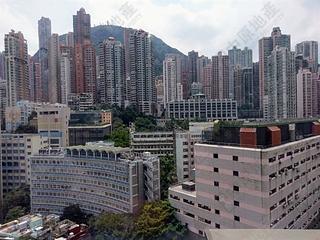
(180, 24)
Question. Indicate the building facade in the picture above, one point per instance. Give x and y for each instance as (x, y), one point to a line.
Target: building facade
(44, 32)
(16, 67)
(141, 90)
(305, 94)
(266, 46)
(112, 72)
(16, 150)
(53, 121)
(280, 99)
(157, 143)
(309, 52)
(172, 86)
(237, 59)
(54, 84)
(255, 181)
(204, 109)
(98, 177)
(220, 76)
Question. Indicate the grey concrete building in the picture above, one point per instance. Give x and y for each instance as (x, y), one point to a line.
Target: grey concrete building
(97, 176)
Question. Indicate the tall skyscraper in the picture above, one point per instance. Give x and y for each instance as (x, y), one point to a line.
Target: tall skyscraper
(266, 46)
(309, 52)
(220, 76)
(207, 81)
(256, 86)
(237, 58)
(89, 69)
(85, 59)
(16, 67)
(67, 40)
(38, 94)
(202, 62)
(2, 66)
(243, 86)
(112, 72)
(192, 69)
(172, 86)
(44, 32)
(65, 76)
(3, 102)
(54, 69)
(280, 99)
(142, 82)
(81, 27)
(304, 93)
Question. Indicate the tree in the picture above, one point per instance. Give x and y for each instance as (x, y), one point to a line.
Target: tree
(120, 226)
(145, 124)
(19, 197)
(157, 220)
(15, 213)
(168, 174)
(75, 214)
(121, 137)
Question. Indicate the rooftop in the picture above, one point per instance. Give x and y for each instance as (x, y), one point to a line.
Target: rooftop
(260, 135)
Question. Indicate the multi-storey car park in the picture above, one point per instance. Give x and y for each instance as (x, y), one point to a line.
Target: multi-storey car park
(262, 176)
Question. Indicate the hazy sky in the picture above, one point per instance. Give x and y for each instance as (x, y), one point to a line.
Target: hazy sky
(207, 26)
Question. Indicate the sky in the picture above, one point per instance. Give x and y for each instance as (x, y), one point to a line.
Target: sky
(206, 26)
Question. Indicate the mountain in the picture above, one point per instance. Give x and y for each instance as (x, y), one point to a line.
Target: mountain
(160, 48)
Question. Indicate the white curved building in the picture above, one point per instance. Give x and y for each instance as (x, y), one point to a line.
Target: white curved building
(97, 176)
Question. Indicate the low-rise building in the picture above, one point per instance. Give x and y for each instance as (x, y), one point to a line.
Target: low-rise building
(36, 226)
(98, 176)
(157, 143)
(202, 109)
(16, 150)
(52, 122)
(89, 127)
(263, 175)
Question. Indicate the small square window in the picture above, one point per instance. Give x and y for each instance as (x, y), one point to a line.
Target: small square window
(236, 203)
(235, 173)
(217, 226)
(236, 188)
(216, 184)
(216, 197)
(235, 158)
(237, 218)
(216, 170)
(215, 155)
(216, 211)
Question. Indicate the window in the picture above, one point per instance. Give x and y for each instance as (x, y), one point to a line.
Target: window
(237, 218)
(215, 155)
(235, 173)
(216, 211)
(216, 197)
(235, 158)
(216, 170)
(216, 184)
(217, 226)
(236, 188)
(236, 203)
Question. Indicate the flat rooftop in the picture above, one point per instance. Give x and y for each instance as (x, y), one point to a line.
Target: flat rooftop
(178, 188)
